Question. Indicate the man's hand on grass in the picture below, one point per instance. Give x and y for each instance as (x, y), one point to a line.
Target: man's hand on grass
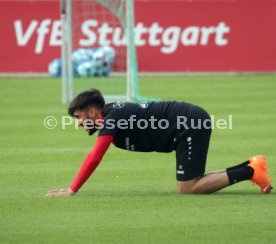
(60, 193)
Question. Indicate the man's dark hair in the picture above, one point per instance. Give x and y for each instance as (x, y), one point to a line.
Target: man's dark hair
(87, 99)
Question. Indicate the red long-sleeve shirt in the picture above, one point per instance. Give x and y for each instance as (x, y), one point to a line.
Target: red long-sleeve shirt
(91, 161)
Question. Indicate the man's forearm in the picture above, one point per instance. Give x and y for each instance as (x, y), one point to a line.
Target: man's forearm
(85, 171)
(91, 162)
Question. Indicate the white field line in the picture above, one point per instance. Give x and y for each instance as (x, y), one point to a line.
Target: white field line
(53, 150)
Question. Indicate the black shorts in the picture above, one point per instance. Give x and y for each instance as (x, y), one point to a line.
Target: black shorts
(192, 146)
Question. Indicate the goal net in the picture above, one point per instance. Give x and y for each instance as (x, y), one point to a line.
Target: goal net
(96, 26)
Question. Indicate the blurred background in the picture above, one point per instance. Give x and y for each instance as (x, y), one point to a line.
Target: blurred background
(171, 36)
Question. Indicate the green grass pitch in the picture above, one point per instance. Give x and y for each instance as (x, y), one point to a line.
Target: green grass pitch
(131, 198)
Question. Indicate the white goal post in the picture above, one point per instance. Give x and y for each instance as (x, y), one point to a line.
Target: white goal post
(117, 15)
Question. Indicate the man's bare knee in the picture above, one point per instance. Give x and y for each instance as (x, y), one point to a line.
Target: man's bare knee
(188, 191)
(184, 191)
(186, 187)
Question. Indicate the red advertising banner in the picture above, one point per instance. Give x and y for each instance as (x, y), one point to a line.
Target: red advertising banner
(171, 36)
(30, 35)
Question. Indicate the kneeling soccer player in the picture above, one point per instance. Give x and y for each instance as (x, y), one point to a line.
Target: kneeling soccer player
(124, 125)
